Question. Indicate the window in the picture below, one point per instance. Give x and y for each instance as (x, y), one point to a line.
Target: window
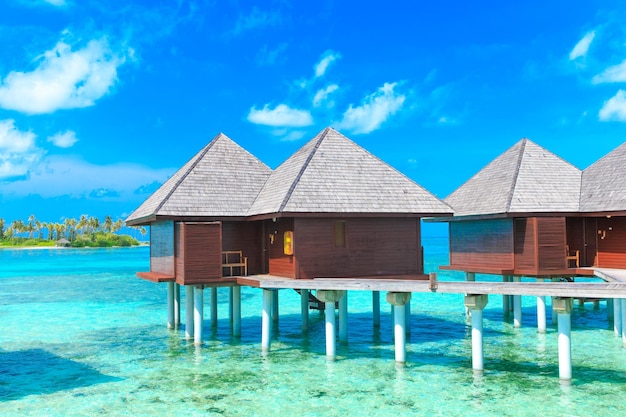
(340, 234)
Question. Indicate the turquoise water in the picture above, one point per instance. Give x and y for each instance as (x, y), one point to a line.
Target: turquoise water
(81, 336)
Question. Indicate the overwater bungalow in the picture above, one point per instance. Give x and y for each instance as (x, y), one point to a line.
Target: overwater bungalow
(531, 213)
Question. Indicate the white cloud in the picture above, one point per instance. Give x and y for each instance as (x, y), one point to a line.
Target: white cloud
(59, 3)
(63, 79)
(65, 139)
(256, 19)
(614, 108)
(57, 176)
(327, 58)
(582, 47)
(281, 115)
(18, 151)
(323, 94)
(374, 110)
(613, 74)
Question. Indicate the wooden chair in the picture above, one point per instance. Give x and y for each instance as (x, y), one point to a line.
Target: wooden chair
(572, 256)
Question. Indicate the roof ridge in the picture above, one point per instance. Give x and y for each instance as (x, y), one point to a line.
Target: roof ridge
(186, 174)
(293, 185)
(517, 168)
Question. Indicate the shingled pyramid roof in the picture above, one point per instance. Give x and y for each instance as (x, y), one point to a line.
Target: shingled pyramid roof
(524, 179)
(604, 183)
(222, 180)
(332, 174)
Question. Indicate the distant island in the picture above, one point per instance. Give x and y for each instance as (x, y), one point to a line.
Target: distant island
(77, 233)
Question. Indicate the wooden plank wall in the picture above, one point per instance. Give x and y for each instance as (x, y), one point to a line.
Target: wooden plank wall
(248, 238)
(162, 247)
(525, 244)
(612, 242)
(373, 246)
(198, 252)
(280, 264)
(551, 241)
(479, 244)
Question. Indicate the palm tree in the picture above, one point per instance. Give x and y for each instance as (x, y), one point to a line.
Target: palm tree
(1, 228)
(117, 226)
(42, 226)
(108, 224)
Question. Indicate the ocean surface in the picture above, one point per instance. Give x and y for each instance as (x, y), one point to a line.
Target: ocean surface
(80, 335)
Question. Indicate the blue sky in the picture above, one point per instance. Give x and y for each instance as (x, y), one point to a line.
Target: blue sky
(101, 101)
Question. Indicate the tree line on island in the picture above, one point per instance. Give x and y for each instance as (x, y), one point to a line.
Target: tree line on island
(85, 231)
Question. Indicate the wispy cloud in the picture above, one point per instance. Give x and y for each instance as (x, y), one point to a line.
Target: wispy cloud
(582, 47)
(374, 110)
(614, 108)
(321, 96)
(326, 59)
(267, 56)
(18, 151)
(63, 79)
(613, 74)
(280, 116)
(256, 19)
(65, 139)
(58, 176)
(58, 3)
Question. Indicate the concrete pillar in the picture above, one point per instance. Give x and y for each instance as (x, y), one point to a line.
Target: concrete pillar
(329, 297)
(554, 314)
(376, 308)
(469, 277)
(623, 321)
(617, 317)
(275, 311)
(231, 294)
(517, 307)
(176, 305)
(170, 305)
(505, 298)
(213, 307)
(563, 307)
(343, 318)
(189, 312)
(407, 316)
(304, 308)
(609, 309)
(541, 314)
(266, 328)
(476, 304)
(198, 314)
(398, 300)
(236, 304)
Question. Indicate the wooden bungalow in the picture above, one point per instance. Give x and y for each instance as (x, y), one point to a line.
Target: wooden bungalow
(330, 210)
(530, 213)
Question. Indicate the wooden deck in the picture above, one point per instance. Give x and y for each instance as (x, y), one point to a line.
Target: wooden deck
(558, 289)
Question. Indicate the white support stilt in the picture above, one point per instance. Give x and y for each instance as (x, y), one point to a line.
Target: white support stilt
(554, 314)
(236, 303)
(170, 305)
(376, 308)
(399, 300)
(623, 322)
(275, 311)
(343, 318)
(563, 307)
(617, 317)
(541, 311)
(189, 312)
(213, 307)
(505, 299)
(517, 307)
(230, 306)
(304, 309)
(407, 317)
(541, 314)
(476, 303)
(198, 314)
(469, 277)
(176, 305)
(266, 328)
(329, 298)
